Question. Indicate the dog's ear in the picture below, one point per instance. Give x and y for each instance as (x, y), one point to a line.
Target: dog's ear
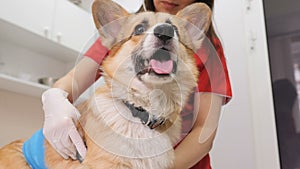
(197, 18)
(109, 18)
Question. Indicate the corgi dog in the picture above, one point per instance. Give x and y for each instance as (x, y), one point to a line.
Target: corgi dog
(133, 120)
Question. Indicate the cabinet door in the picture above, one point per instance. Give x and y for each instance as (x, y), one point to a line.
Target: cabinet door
(73, 26)
(33, 15)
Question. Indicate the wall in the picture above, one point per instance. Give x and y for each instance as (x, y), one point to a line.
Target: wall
(20, 116)
(130, 5)
(247, 135)
(234, 145)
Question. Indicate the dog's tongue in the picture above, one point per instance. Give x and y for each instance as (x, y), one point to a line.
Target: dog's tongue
(161, 67)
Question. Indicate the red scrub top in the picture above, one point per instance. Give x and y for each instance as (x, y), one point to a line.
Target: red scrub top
(213, 78)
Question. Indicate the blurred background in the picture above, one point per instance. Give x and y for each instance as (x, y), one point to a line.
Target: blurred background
(283, 36)
(259, 128)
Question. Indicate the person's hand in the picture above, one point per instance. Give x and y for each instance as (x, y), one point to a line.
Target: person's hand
(59, 124)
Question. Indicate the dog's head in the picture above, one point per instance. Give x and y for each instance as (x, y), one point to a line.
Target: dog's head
(155, 48)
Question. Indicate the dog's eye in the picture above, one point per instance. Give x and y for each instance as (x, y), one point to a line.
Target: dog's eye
(139, 29)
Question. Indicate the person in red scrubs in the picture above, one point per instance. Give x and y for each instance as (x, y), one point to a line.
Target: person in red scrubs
(199, 122)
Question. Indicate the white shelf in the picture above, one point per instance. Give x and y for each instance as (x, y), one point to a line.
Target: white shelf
(20, 86)
(22, 37)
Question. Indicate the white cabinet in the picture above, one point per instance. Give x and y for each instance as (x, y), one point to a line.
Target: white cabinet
(58, 20)
(40, 38)
(73, 27)
(33, 15)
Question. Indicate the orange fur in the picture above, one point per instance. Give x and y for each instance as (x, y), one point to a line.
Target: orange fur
(11, 156)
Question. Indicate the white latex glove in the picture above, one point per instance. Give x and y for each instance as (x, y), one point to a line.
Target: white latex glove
(59, 125)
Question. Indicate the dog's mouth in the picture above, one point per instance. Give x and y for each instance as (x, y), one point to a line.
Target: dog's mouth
(160, 64)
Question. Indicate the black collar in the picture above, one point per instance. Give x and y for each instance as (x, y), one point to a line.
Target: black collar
(147, 119)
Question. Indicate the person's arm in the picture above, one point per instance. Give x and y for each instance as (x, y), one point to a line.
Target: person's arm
(60, 115)
(200, 140)
(82, 76)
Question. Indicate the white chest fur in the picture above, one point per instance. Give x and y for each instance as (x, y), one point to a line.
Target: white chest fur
(114, 129)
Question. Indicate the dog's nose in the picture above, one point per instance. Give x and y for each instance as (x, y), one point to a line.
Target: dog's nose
(164, 32)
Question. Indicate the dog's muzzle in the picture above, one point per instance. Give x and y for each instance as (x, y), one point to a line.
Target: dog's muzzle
(157, 56)
(160, 64)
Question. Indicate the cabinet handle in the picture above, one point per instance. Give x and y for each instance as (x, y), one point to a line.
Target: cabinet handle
(58, 37)
(46, 31)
